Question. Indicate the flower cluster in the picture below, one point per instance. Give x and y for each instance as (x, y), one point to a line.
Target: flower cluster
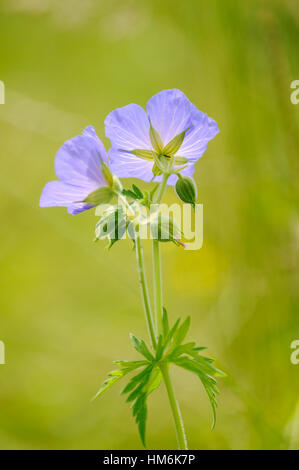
(171, 135)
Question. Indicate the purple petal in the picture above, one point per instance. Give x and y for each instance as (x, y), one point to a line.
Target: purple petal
(196, 140)
(79, 207)
(78, 162)
(170, 112)
(90, 132)
(126, 165)
(57, 193)
(128, 128)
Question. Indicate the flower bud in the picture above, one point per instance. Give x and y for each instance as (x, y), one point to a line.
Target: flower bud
(164, 229)
(186, 189)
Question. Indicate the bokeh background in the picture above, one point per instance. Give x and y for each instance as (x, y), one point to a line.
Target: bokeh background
(67, 304)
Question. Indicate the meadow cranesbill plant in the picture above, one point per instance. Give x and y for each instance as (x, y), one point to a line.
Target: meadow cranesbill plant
(160, 145)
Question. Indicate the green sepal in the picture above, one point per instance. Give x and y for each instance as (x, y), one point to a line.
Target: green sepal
(99, 196)
(107, 173)
(156, 170)
(173, 146)
(143, 153)
(180, 160)
(156, 140)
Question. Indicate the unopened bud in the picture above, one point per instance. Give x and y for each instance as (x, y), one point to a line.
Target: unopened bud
(186, 189)
(164, 229)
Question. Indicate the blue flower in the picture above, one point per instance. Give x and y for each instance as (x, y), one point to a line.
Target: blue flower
(171, 127)
(78, 167)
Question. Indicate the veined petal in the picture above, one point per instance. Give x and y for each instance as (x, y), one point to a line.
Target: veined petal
(58, 193)
(127, 165)
(79, 160)
(169, 112)
(196, 139)
(128, 128)
(79, 207)
(89, 131)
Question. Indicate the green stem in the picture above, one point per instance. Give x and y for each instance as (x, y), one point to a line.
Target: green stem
(177, 417)
(162, 188)
(144, 289)
(158, 295)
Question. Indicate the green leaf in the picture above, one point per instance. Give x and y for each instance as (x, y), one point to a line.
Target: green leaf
(131, 364)
(137, 379)
(187, 348)
(138, 396)
(129, 193)
(135, 194)
(114, 376)
(173, 146)
(141, 347)
(205, 374)
(180, 334)
(170, 333)
(154, 381)
(165, 323)
(137, 191)
(159, 348)
(139, 388)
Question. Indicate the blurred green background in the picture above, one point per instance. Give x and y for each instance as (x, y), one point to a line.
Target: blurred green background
(67, 304)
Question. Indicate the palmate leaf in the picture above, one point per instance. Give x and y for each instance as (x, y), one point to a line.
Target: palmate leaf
(139, 388)
(203, 367)
(118, 374)
(134, 193)
(141, 347)
(180, 334)
(188, 357)
(169, 349)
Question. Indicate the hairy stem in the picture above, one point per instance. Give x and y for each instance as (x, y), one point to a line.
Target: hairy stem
(162, 188)
(144, 289)
(177, 417)
(158, 297)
